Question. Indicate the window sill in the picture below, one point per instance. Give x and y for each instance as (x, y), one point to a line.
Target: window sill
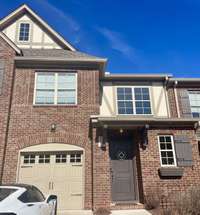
(170, 172)
(55, 106)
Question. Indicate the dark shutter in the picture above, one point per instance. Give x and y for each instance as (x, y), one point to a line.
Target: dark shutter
(185, 103)
(198, 133)
(183, 150)
(1, 75)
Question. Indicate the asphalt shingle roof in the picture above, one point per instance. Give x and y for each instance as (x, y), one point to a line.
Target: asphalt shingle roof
(57, 53)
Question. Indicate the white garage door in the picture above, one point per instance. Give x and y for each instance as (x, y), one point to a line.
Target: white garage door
(59, 173)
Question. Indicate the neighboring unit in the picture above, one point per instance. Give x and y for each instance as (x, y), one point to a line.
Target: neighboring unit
(93, 139)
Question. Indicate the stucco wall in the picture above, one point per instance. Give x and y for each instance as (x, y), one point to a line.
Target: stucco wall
(108, 105)
(38, 37)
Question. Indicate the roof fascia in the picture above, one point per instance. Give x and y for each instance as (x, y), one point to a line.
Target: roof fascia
(10, 43)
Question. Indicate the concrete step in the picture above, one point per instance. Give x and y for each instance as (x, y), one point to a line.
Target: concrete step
(131, 212)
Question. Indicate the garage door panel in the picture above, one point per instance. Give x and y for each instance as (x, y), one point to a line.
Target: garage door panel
(61, 175)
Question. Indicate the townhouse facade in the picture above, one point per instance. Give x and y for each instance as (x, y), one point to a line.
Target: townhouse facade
(92, 138)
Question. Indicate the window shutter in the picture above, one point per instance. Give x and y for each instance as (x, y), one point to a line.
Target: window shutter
(198, 133)
(185, 103)
(183, 151)
(1, 74)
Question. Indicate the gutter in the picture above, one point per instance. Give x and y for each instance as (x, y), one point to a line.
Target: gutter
(114, 121)
(57, 59)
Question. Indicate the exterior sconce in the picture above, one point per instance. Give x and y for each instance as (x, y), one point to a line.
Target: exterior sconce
(145, 136)
(121, 130)
(53, 127)
(101, 143)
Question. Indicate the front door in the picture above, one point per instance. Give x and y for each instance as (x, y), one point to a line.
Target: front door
(122, 169)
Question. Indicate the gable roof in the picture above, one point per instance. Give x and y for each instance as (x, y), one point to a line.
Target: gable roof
(24, 9)
(10, 43)
(58, 53)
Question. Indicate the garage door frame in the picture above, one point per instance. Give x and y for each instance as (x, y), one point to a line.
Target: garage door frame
(54, 147)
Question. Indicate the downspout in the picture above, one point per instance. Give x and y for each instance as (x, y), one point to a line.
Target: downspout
(166, 95)
(176, 98)
(8, 125)
(92, 167)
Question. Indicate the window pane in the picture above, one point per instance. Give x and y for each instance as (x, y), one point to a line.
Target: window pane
(66, 97)
(46, 81)
(24, 32)
(164, 161)
(44, 97)
(166, 150)
(142, 101)
(125, 103)
(5, 192)
(66, 81)
(194, 97)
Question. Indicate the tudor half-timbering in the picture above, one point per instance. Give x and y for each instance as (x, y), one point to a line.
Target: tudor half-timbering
(92, 138)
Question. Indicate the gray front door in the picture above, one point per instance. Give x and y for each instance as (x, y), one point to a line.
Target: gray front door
(122, 170)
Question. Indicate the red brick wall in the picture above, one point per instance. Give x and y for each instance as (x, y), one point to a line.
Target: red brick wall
(150, 163)
(101, 172)
(172, 102)
(30, 125)
(7, 55)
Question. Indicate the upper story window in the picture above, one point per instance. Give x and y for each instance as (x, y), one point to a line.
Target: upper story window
(24, 32)
(194, 97)
(133, 100)
(55, 88)
(167, 152)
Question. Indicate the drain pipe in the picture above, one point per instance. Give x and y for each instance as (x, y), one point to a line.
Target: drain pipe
(166, 95)
(176, 98)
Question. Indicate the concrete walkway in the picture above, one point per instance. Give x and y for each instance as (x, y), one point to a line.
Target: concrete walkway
(131, 212)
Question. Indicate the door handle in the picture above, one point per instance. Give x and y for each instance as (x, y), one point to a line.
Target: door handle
(49, 185)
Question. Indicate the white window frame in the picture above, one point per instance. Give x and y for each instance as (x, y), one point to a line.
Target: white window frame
(173, 150)
(56, 89)
(192, 106)
(133, 100)
(19, 27)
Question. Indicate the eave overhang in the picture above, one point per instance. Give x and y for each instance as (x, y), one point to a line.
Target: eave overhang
(151, 122)
(184, 82)
(136, 77)
(54, 62)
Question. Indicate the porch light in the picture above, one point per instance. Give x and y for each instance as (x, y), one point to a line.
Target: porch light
(100, 141)
(121, 130)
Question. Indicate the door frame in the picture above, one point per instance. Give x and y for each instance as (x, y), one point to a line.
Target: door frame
(135, 178)
(54, 147)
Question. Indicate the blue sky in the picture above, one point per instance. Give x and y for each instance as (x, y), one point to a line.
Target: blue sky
(137, 36)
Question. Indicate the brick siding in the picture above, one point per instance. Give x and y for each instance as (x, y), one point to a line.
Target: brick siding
(30, 125)
(7, 56)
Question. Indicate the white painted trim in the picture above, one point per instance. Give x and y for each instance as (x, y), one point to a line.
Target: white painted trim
(133, 100)
(55, 89)
(25, 7)
(173, 150)
(4, 37)
(176, 102)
